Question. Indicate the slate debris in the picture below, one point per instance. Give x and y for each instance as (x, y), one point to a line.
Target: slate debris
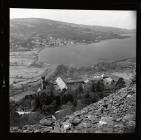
(118, 117)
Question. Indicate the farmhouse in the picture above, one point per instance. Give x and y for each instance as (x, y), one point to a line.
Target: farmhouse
(61, 83)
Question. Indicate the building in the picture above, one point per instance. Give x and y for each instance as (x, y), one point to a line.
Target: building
(61, 83)
(108, 82)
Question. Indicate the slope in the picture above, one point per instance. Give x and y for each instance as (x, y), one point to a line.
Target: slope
(118, 117)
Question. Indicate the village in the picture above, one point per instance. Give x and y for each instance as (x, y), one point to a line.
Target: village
(63, 90)
(39, 87)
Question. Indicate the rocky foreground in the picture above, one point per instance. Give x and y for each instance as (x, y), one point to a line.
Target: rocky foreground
(118, 115)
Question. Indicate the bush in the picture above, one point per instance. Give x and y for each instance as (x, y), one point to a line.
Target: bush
(80, 89)
(80, 104)
(133, 80)
(34, 118)
(94, 96)
(120, 83)
(27, 119)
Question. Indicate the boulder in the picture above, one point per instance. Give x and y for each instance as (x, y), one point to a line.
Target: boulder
(128, 117)
(47, 129)
(66, 125)
(46, 122)
(105, 120)
(76, 121)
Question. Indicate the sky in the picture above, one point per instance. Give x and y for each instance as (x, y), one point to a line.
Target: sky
(113, 18)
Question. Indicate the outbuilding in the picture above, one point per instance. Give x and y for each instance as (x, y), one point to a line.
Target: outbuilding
(107, 82)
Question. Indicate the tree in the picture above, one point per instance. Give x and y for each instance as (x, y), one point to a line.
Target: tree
(93, 88)
(80, 88)
(94, 97)
(120, 83)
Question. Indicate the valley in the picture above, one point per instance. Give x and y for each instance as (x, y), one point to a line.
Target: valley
(41, 47)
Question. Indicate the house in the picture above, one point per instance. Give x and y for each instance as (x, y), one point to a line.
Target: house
(61, 83)
(108, 82)
(98, 76)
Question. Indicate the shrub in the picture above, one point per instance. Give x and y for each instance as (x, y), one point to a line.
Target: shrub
(80, 104)
(80, 89)
(94, 96)
(120, 83)
(133, 80)
(34, 118)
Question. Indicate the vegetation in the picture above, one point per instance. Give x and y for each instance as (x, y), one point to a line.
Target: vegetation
(120, 84)
(50, 100)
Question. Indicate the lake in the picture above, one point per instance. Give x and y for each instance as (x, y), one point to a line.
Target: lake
(107, 50)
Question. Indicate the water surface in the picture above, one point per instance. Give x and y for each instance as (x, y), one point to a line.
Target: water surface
(107, 50)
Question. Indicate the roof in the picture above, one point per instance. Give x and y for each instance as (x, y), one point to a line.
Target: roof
(61, 84)
(108, 79)
(75, 81)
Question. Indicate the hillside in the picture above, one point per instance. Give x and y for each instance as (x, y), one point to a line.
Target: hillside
(118, 117)
(69, 72)
(28, 33)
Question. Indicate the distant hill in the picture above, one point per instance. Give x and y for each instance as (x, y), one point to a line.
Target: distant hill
(25, 31)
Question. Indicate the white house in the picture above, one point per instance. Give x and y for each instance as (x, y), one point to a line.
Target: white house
(61, 84)
(98, 76)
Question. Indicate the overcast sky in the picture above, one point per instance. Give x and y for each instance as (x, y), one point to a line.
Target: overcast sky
(114, 18)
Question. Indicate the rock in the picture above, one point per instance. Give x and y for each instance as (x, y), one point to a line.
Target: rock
(46, 122)
(84, 125)
(131, 123)
(99, 111)
(47, 129)
(89, 125)
(130, 127)
(56, 129)
(81, 126)
(98, 131)
(118, 119)
(129, 96)
(53, 117)
(75, 131)
(66, 125)
(119, 128)
(14, 128)
(37, 131)
(76, 121)
(105, 120)
(25, 127)
(107, 129)
(128, 117)
(89, 117)
(25, 131)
